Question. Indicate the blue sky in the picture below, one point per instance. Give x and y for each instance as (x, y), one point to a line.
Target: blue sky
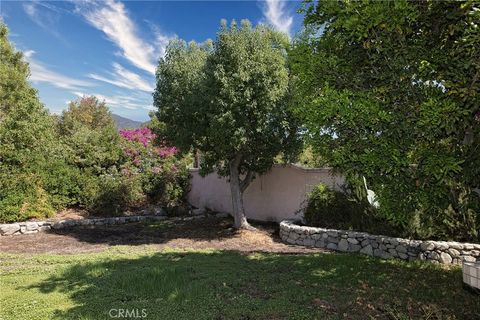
(111, 48)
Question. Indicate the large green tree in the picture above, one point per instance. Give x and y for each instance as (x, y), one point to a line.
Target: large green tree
(391, 90)
(89, 134)
(26, 138)
(228, 99)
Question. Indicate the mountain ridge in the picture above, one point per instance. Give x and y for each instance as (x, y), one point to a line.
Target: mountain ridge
(126, 123)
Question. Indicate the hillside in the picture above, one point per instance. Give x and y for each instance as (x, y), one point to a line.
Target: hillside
(125, 123)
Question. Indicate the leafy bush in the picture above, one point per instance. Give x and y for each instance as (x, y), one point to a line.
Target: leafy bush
(328, 208)
(164, 176)
(115, 194)
(23, 197)
(63, 182)
(347, 210)
(90, 138)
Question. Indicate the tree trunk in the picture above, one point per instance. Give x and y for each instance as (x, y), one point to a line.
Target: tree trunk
(237, 188)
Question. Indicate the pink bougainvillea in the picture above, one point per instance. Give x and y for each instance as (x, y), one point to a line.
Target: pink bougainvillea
(142, 135)
(166, 151)
(142, 153)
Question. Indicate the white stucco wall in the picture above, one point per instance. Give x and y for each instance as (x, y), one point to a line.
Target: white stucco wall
(277, 195)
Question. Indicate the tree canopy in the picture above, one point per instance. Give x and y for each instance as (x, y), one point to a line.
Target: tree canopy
(391, 91)
(228, 99)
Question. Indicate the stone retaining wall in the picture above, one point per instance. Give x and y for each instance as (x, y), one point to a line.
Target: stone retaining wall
(38, 226)
(379, 246)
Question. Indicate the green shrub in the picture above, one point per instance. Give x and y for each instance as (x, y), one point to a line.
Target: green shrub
(328, 208)
(347, 210)
(23, 197)
(115, 194)
(169, 187)
(63, 183)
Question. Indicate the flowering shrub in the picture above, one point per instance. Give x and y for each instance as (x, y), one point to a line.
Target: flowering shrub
(163, 175)
(142, 135)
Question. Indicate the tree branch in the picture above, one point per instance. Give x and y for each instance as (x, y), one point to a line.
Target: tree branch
(246, 181)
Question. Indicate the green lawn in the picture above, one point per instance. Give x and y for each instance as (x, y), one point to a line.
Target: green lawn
(228, 285)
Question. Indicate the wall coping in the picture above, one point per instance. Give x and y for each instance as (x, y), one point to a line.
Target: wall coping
(379, 245)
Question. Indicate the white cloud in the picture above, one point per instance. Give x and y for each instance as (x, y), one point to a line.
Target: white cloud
(277, 15)
(117, 101)
(124, 78)
(30, 9)
(112, 18)
(39, 72)
(47, 19)
(28, 54)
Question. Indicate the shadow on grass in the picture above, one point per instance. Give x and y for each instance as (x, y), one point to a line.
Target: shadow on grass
(231, 285)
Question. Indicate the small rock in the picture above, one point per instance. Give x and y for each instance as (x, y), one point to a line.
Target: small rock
(352, 240)
(59, 224)
(445, 258)
(9, 228)
(332, 233)
(415, 243)
(354, 247)
(455, 245)
(365, 242)
(316, 236)
(343, 245)
(393, 252)
(333, 239)
(320, 244)
(393, 241)
(30, 226)
(468, 259)
(433, 255)
(475, 253)
(367, 250)
(441, 245)
(453, 252)
(427, 246)
(332, 246)
(402, 256)
(308, 242)
(294, 236)
(290, 240)
(401, 248)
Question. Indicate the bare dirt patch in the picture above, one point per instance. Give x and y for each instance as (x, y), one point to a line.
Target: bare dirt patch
(206, 233)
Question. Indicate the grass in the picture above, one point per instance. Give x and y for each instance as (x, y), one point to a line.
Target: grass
(177, 284)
